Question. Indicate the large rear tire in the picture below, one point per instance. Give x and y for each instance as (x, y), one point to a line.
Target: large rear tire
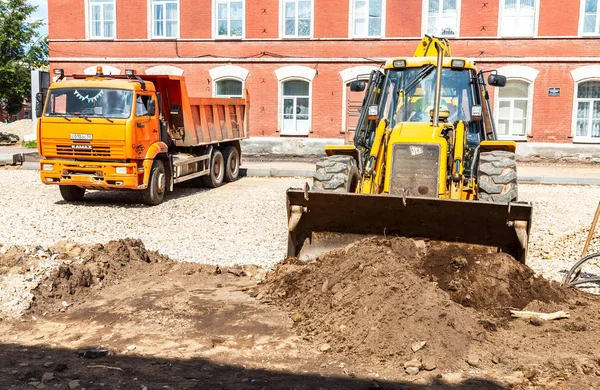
(72, 193)
(497, 177)
(157, 184)
(336, 174)
(232, 163)
(217, 170)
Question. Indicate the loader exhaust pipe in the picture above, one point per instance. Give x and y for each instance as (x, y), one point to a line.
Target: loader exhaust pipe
(438, 85)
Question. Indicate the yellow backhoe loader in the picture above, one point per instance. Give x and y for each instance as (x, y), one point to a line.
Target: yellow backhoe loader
(426, 162)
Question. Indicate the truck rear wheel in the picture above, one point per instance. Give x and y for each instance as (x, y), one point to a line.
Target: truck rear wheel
(497, 177)
(336, 174)
(72, 193)
(232, 163)
(157, 184)
(217, 170)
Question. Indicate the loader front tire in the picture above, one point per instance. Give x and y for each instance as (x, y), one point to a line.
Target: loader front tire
(336, 174)
(72, 193)
(497, 177)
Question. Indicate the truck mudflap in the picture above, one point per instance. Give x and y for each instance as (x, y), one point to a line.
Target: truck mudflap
(321, 221)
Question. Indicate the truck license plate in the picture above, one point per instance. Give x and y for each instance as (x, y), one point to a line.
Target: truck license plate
(82, 137)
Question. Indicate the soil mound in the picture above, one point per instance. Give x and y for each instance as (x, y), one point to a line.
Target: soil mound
(91, 265)
(381, 299)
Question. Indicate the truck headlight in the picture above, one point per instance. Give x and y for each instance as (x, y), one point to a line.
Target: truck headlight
(121, 170)
(47, 167)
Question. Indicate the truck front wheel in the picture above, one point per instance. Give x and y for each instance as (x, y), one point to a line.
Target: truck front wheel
(157, 185)
(72, 193)
(217, 170)
(232, 163)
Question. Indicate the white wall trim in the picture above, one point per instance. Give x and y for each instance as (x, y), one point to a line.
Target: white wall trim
(519, 72)
(165, 69)
(229, 71)
(106, 69)
(295, 71)
(585, 72)
(350, 74)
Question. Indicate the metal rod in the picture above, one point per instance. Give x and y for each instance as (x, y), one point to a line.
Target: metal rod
(592, 230)
(438, 85)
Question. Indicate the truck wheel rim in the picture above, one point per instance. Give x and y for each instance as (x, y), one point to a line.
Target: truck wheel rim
(217, 169)
(235, 165)
(161, 184)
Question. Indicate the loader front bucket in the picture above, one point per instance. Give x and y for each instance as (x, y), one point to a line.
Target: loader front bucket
(321, 221)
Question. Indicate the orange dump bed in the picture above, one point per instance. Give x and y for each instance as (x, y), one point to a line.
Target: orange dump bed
(200, 121)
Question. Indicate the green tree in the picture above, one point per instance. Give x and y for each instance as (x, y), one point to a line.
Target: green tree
(21, 49)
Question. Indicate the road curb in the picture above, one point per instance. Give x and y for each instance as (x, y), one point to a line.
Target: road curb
(258, 172)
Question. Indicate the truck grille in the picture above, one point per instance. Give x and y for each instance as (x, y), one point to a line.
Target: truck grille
(415, 170)
(96, 151)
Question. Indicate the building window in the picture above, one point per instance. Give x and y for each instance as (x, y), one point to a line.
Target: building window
(27, 115)
(591, 20)
(297, 18)
(296, 107)
(588, 110)
(229, 88)
(102, 19)
(367, 18)
(165, 18)
(517, 18)
(514, 109)
(230, 18)
(442, 17)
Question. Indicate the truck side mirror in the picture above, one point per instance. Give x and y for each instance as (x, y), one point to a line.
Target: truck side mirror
(357, 86)
(497, 80)
(39, 104)
(151, 107)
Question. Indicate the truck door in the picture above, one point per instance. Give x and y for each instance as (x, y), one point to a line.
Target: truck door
(146, 127)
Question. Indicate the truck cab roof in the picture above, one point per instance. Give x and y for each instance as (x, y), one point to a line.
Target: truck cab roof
(418, 62)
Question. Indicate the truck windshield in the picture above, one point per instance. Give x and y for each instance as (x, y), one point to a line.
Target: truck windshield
(109, 103)
(409, 94)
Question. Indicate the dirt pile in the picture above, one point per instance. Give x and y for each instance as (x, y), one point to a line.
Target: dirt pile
(90, 266)
(379, 299)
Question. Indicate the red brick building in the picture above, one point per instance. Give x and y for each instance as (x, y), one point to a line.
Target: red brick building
(297, 57)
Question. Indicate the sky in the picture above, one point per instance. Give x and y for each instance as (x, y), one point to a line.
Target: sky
(41, 14)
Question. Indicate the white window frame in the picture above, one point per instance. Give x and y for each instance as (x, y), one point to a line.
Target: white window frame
(231, 72)
(581, 20)
(528, 115)
(581, 75)
(227, 96)
(352, 17)
(536, 19)
(519, 73)
(289, 73)
(151, 19)
(216, 15)
(88, 21)
(425, 18)
(282, 21)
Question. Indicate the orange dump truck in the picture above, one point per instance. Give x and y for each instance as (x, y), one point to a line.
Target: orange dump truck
(141, 133)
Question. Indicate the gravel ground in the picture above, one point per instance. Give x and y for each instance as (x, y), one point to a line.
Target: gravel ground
(245, 222)
(239, 223)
